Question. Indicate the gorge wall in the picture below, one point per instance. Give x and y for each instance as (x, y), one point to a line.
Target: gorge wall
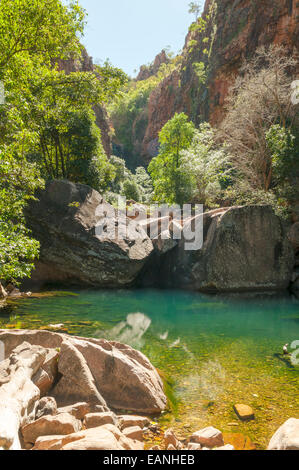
(236, 28)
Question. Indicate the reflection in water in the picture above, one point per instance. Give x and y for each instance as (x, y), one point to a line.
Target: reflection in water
(130, 331)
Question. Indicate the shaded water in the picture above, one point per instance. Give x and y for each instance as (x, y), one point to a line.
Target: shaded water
(213, 351)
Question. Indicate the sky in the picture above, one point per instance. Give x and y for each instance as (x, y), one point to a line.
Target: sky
(132, 32)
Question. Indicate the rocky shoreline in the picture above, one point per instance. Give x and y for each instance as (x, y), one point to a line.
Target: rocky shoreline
(60, 392)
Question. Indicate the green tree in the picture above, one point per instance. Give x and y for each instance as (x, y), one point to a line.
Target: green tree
(168, 181)
(208, 167)
(195, 9)
(44, 28)
(18, 182)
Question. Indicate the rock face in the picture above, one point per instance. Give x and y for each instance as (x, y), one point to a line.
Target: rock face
(244, 248)
(238, 28)
(65, 221)
(286, 437)
(98, 371)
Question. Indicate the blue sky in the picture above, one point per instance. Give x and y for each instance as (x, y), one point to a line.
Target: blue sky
(131, 32)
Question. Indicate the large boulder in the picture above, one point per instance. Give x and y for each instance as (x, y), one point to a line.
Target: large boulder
(244, 248)
(65, 219)
(49, 425)
(97, 371)
(18, 394)
(286, 437)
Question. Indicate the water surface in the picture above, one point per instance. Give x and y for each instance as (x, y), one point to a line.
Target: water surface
(212, 351)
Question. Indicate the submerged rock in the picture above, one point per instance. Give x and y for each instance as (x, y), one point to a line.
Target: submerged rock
(244, 248)
(244, 412)
(65, 220)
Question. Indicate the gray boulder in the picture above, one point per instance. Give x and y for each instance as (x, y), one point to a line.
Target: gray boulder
(244, 248)
(65, 219)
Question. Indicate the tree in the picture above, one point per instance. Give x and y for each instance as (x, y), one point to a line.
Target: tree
(18, 182)
(195, 9)
(208, 167)
(176, 135)
(259, 101)
(44, 28)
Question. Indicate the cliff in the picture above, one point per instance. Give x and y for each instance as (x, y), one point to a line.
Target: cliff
(235, 28)
(85, 64)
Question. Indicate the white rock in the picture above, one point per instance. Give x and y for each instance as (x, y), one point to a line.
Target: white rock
(286, 437)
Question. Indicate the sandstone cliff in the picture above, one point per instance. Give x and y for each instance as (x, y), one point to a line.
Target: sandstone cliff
(236, 29)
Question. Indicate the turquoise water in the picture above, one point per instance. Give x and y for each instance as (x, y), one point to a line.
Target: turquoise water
(212, 351)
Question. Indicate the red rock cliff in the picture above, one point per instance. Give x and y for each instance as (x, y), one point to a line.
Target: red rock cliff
(240, 27)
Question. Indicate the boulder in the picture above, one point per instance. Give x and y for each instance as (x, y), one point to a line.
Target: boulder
(77, 382)
(171, 439)
(75, 227)
(60, 424)
(134, 432)
(94, 420)
(126, 421)
(46, 406)
(208, 437)
(193, 446)
(18, 394)
(96, 370)
(286, 437)
(106, 437)
(125, 377)
(293, 236)
(244, 412)
(244, 248)
(79, 410)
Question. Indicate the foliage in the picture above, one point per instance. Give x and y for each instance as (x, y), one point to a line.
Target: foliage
(18, 182)
(129, 111)
(261, 119)
(44, 28)
(195, 9)
(168, 181)
(208, 167)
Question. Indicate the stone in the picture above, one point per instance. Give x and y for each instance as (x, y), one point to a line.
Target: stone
(78, 410)
(116, 367)
(208, 437)
(106, 437)
(244, 248)
(286, 437)
(94, 420)
(46, 406)
(77, 383)
(126, 421)
(134, 432)
(293, 236)
(18, 394)
(244, 412)
(155, 448)
(193, 446)
(48, 425)
(164, 242)
(42, 380)
(76, 229)
(171, 439)
(88, 375)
